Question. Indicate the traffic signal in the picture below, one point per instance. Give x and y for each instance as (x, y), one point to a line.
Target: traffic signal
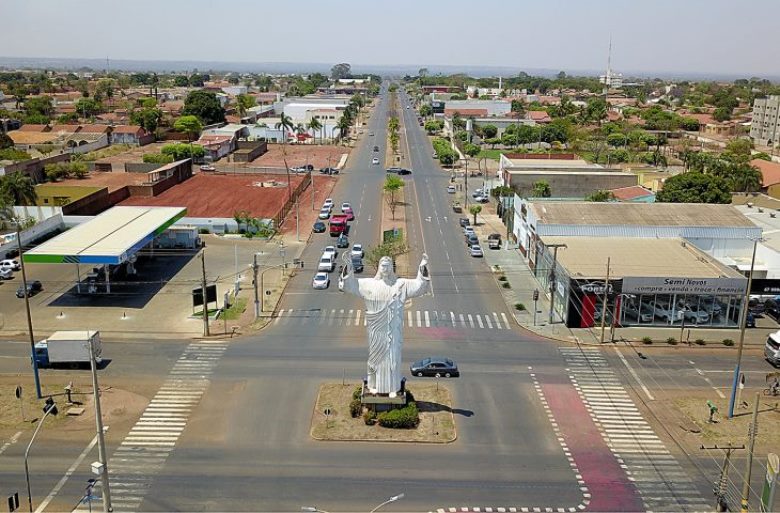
(536, 294)
(49, 406)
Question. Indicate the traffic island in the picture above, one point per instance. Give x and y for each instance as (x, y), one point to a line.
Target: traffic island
(332, 418)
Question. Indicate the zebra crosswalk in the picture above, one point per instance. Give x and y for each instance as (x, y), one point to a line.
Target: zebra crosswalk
(412, 319)
(145, 449)
(661, 481)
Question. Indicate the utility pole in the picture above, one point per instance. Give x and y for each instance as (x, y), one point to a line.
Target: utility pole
(466, 185)
(553, 278)
(742, 323)
(36, 377)
(752, 433)
(722, 484)
(604, 303)
(107, 506)
(254, 281)
(205, 296)
(311, 184)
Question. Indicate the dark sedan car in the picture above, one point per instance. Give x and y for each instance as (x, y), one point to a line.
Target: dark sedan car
(464, 221)
(33, 287)
(342, 241)
(403, 171)
(319, 227)
(435, 366)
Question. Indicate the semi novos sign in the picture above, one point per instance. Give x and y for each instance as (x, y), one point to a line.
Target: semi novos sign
(659, 285)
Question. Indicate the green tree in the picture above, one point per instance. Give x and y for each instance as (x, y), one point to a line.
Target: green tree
(541, 189)
(344, 123)
(472, 150)
(205, 106)
(601, 196)
(489, 131)
(739, 147)
(391, 186)
(243, 103)
(285, 124)
(744, 178)
(693, 187)
(181, 81)
(721, 114)
(5, 141)
(474, 210)
(190, 125)
(147, 118)
(315, 125)
(183, 151)
(341, 70)
(426, 110)
(39, 107)
(18, 189)
(88, 107)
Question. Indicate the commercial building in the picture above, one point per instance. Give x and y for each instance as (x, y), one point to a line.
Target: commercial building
(719, 230)
(651, 282)
(567, 176)
(765, 124)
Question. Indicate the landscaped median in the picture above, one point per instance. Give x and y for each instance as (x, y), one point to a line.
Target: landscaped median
(334, 419)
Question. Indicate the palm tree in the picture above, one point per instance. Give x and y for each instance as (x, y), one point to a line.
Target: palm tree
(285, 123)
(18, 189)
(315, 125)
(343, 125)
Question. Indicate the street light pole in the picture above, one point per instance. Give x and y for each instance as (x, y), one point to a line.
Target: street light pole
(50, 408)
(36, 377)
(388, 501)
(107, 506)
(742, 323)
(254, 281)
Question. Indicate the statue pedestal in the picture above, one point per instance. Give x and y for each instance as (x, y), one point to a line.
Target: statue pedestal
(382, 402)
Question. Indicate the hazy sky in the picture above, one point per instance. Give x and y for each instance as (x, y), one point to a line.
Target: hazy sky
(719, 36)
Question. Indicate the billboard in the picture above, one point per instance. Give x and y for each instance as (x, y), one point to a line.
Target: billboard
(677, 285)
(197, 295)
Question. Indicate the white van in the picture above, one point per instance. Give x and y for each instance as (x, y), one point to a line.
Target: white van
(772, 348)
(451, 189)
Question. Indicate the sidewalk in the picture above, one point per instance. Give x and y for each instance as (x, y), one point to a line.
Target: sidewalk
(514, 266)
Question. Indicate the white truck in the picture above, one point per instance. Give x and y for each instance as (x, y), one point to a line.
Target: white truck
(68, 348)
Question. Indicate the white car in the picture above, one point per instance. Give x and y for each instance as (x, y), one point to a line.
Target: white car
(207, 167)
(645, 315)
(477, 193)
(476, 251)
(330, 250)
(357, 250)
(481, 199)
(450, 189)
(324, 213)
(375, 161)
(11, 264)
(328, 203)
(695, 314)
(468, 230)
(320, 281)
(6, 274)
(664, 312)
(327, 263)
(345, 206)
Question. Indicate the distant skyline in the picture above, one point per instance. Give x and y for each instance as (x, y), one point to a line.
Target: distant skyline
(690, 37)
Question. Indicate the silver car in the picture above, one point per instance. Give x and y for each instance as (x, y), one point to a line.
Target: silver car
(320, 281)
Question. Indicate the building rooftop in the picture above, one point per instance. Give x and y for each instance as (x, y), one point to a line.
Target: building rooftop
(770, 171)
(642, 214)
(586, 257)
(629, 193)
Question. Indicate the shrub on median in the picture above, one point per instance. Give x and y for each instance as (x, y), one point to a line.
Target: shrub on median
(407, 417)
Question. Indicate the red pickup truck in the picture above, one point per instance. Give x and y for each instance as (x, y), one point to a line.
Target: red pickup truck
(338, 224)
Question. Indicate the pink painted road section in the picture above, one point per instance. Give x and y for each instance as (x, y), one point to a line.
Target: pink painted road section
(608, 484)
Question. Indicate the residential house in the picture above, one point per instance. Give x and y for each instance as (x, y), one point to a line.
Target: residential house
(633, 194)
(538, 116)
(770, 177)
(216, 146)
(130, 134)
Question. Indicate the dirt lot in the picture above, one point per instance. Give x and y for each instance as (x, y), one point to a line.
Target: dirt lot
(434, 403)
(298, 155)
(222, 195)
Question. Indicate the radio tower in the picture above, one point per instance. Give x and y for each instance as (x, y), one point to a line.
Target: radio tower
(608, 76)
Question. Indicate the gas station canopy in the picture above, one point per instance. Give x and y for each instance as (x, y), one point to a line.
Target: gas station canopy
(110, 238)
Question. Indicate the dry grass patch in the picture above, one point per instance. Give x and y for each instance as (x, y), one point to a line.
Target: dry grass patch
(437, 424)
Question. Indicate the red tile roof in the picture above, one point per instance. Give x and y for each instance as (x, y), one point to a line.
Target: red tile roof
(94, 129)
(770, 171)
(33, 128)
(539, 116)
(629, 193)
(703, 119)
(127, 129)
(466, 112)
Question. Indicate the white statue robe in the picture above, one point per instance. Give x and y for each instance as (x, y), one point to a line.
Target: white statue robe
(384, 321)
